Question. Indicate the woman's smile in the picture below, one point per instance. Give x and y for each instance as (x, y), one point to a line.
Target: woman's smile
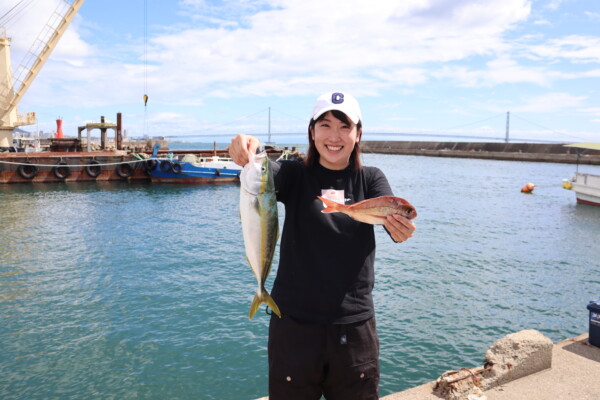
(333, 148)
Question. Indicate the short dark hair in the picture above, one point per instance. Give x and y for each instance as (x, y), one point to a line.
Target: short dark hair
(312, 156)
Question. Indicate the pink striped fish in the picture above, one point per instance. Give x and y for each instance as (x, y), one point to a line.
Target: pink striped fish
(372, 211)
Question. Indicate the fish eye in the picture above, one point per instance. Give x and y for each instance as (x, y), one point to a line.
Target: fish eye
(263, 169)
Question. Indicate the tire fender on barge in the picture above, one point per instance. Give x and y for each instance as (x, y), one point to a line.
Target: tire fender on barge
(125, 170)
(93, 170)
(27, 170)
(61, 170)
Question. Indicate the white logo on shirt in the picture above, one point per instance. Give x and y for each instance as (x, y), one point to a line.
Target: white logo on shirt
(334, 195)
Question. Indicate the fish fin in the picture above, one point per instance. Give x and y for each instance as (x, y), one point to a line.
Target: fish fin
(254, 306)
(271, 304)
(263, 297)
(256, 205)
(332, 206)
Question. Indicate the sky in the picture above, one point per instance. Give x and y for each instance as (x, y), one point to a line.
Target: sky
(421, 69)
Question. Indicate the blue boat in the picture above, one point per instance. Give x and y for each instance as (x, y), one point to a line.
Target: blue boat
(190, 168)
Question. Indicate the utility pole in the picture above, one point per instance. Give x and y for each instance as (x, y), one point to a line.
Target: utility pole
(507, 125)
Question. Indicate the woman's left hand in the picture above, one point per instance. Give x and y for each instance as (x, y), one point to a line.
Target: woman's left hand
(399, 227)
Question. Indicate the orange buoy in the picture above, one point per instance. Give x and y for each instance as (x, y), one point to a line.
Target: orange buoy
(528, 188)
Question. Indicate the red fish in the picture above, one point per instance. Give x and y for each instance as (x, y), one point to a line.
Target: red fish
(372, 211)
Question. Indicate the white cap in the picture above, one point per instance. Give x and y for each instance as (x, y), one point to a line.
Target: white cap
(337, 101)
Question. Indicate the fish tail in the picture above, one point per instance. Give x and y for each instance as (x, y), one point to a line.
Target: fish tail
(271, 304)
(263, 297)
(332, 206)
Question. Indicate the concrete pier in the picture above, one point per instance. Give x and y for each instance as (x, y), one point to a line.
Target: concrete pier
(536, 152)
(573, 375)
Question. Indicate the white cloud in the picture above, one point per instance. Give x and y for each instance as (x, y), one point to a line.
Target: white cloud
(30, 25)
(555, 4)
(592, 111)
(401, 119)
(506, 70)
(550, 102)
(291, 47)
(499, 71)
(285, 47)
(575, 48)
(541, 22)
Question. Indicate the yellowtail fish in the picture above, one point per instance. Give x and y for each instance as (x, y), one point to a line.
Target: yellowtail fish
(372, 211)
(258, 211)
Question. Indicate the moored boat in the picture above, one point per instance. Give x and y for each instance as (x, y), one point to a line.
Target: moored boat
(586, 186)
(190, 168)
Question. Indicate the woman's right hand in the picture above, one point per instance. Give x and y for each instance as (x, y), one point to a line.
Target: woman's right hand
(241, 146)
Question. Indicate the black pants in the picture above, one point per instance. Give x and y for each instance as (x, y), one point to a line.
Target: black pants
(309, 360)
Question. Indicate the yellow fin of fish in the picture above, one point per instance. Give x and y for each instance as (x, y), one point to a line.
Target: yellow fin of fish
(263, 297)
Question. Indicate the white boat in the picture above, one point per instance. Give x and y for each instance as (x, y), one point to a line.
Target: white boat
(586, 186)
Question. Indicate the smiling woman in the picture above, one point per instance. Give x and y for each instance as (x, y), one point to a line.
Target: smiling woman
(326, 266)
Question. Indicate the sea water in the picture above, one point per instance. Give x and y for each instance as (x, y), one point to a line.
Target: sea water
(141, 291)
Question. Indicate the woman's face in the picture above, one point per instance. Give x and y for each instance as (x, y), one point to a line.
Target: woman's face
(334, 140)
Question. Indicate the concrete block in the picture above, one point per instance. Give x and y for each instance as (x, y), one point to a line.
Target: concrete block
(510, 358)
(515, 356)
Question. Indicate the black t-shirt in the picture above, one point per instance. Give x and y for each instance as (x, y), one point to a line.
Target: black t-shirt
(326, 272)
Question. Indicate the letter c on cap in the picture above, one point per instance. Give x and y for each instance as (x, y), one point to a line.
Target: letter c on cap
(337, 98)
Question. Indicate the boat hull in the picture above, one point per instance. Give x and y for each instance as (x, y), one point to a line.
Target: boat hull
(196, 180)
(586, 188)
(176, 171)
(105, 166)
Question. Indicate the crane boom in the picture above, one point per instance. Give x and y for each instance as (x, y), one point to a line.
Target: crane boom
(13, 90)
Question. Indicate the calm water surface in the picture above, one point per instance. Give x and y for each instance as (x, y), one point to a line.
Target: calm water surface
(141, 291)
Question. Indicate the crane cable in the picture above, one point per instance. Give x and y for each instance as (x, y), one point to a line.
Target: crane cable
(145, 67)
(14, 12)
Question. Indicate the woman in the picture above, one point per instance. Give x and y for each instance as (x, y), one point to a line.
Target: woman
(326, 341)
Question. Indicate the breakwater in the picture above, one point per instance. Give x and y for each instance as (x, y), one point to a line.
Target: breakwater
(537, 152)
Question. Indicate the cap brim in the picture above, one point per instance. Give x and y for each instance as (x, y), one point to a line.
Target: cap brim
(355, 119)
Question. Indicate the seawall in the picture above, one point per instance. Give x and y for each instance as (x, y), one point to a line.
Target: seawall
(536, 152)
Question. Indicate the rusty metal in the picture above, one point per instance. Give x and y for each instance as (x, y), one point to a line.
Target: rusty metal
(119, 136)
(473, 375)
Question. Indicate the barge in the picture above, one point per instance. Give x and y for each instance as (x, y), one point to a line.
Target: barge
(70, 166)
(72, 159)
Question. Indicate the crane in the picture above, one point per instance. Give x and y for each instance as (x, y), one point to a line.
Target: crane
(13, 88)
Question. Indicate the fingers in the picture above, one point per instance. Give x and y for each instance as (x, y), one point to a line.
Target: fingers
(399, 227)
(241, 146)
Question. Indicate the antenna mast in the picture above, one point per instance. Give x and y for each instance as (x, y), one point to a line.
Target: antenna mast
(507, 125)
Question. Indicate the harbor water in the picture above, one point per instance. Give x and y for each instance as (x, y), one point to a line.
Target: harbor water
(141, 291)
